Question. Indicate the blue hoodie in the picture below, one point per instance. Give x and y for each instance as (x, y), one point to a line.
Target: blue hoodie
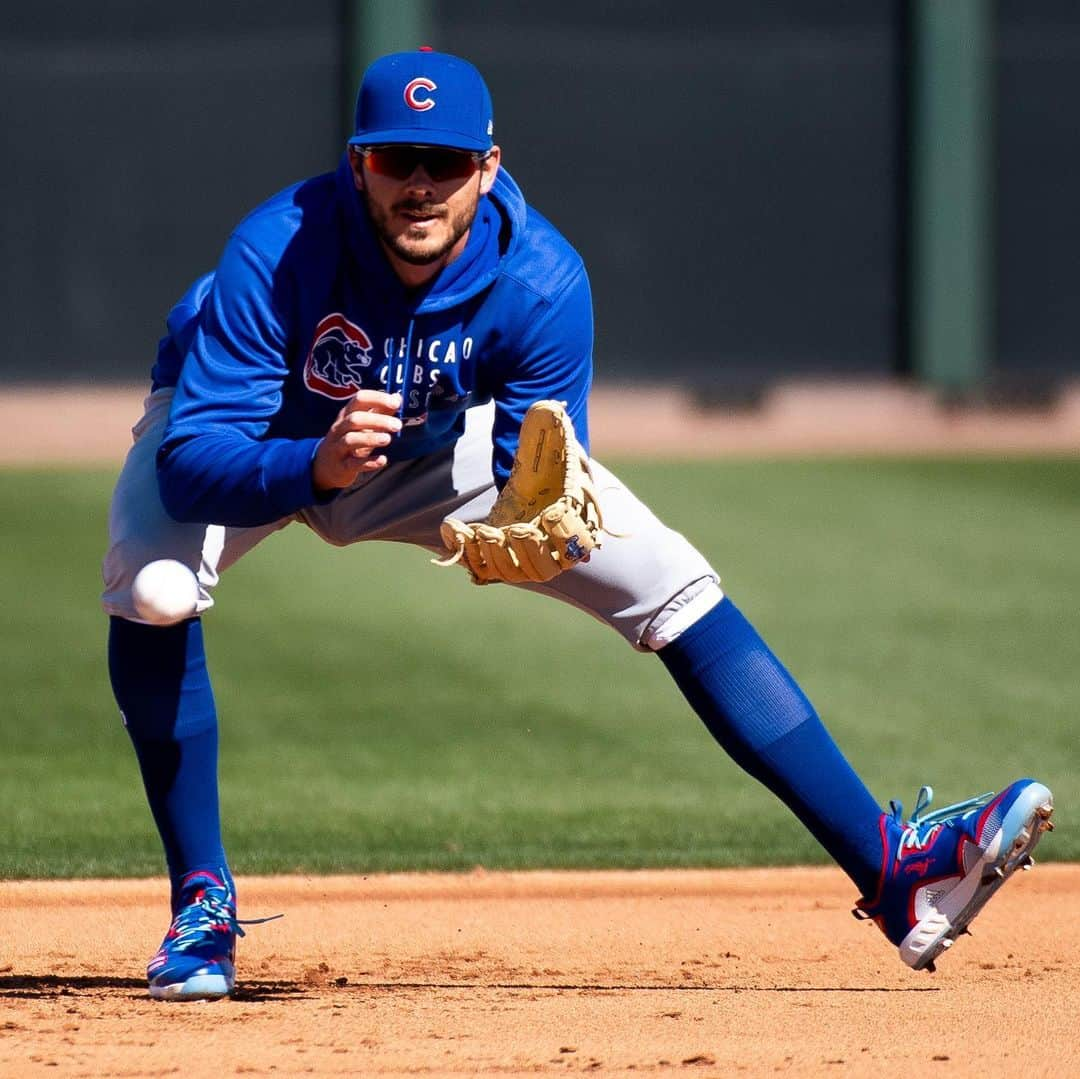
(304, 309)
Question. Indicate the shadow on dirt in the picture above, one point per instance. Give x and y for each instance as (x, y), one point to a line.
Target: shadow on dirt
(61, 985)
(589, 987)
(48, 986)
(265, 990)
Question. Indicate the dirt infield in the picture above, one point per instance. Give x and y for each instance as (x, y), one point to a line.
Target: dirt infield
(704, 973)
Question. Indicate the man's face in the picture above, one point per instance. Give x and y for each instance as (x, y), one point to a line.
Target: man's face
(422, 222)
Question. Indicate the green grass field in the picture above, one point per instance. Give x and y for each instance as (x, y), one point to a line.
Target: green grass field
(380, 714)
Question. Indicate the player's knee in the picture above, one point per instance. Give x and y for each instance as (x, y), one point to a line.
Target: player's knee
(165, 592)
(682, 611)
(164, 596)
(157, 591)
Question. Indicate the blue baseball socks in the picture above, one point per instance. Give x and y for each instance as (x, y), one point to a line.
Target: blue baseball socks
(162, 686)
(745, 697)
(755, 710)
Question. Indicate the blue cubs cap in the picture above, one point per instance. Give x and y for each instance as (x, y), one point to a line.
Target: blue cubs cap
(424, 98)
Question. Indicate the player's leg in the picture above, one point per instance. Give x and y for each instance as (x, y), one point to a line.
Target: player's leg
(922, 881)
(652, 586)
(162, 686)
(656, 590)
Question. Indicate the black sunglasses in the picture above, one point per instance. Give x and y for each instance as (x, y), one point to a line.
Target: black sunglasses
(400, 162)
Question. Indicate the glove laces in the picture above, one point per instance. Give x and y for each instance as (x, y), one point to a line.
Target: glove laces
(918, 827)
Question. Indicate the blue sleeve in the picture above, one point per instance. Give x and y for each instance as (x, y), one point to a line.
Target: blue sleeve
(553, 361)
(215, 463)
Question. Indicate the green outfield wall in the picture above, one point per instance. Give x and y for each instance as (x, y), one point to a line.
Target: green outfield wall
(838, 188)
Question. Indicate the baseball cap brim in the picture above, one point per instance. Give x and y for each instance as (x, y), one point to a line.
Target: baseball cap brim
(420, 136)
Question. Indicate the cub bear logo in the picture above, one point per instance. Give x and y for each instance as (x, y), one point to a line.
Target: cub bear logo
(338, 358)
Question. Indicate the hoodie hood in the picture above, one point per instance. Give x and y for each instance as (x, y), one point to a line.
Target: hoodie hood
(305, 311)
(495, 233)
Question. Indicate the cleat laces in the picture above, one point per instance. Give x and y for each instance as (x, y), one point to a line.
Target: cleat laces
(919, 828)
(210, 913)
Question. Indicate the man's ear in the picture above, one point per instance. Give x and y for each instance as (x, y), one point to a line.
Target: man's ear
(489, 169)
(356, 163)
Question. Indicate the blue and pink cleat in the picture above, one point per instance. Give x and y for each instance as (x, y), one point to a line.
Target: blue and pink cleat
(940, 869)
(197, 958)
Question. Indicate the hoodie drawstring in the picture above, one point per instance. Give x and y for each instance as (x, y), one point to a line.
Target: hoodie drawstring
(406, 367)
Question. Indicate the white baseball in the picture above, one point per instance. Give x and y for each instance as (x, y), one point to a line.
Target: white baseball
(165, 592)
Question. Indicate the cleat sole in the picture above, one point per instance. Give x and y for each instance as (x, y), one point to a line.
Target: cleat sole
(197, 987)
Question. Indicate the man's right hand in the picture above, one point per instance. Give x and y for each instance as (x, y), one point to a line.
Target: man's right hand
(366, 424)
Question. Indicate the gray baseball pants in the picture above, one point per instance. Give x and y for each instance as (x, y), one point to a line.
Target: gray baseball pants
(647, 582)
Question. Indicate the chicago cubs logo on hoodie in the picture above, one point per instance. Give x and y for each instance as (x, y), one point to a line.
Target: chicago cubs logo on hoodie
(339, 356)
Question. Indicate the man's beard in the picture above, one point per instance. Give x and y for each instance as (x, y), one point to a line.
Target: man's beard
(401, 246)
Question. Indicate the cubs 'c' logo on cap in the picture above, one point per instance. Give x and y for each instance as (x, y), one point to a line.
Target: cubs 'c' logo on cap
(415, 94)
(340, 355)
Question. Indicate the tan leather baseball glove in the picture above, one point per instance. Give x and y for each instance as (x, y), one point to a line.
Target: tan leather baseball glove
(545, 520)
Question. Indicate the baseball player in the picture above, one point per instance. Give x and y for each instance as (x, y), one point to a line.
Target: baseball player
(400, 349)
